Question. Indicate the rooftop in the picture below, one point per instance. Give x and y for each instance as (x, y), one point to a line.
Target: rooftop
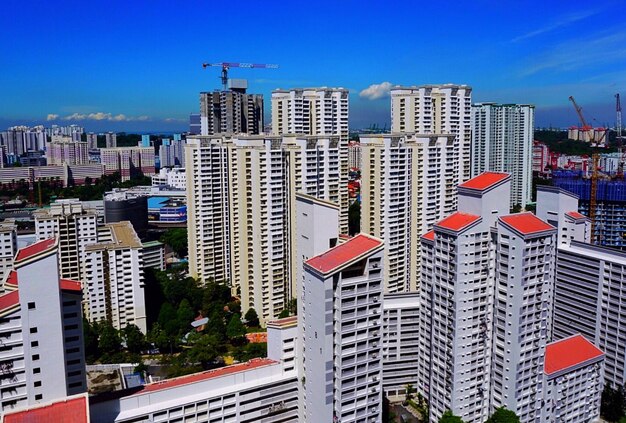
(286, 322)
(458, 221)
(430, 235)
(485, 181)
(575, 215)
(9, 301)
(344, 254)
(526, 223)
(123, 235)
(70, 285)
(71, 410)
(210, 374)
(568, 353)
(35, 249)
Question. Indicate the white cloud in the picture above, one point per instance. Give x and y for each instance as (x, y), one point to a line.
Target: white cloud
(376, 91)
(561, 22)
(175, 120)
(52, 116)
(103, 116)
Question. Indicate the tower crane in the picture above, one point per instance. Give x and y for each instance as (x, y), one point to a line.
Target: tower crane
(595, 172)
(619, 138)
(227, 65)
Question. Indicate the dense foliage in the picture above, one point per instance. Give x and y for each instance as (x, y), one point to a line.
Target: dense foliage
(558, 142)
(613, 404)
(448, 417)
(176, 238)
(502, 415)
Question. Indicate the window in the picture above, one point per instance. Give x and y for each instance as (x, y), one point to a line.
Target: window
(33, 330)
(31, 306)
(75, 384)
(35, 357)
(38, 397)
(37, 383)
(34, 344)
(36, 370)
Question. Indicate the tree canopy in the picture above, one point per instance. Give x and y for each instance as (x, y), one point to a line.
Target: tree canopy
(502, 415)
(448, 417)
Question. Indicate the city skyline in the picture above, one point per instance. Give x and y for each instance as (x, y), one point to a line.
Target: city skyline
(138, 67)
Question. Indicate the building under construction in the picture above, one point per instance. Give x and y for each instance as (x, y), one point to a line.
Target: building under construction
(610, 216)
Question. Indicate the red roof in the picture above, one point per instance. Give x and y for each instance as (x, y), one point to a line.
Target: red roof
(576, 215)
(284, 321)
(429, 235)
(12, 279)
(210, 374)
(569, 352)
(9, 300)
(458, 221)
(344, 253)
(485, 180)
(526, 223)
(34, 249)
(73, 410)
(70, 285)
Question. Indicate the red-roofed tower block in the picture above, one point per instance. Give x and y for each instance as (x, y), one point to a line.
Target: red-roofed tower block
(341, 323)
(487, 195)
(573, 371)
(41, 330)
(560, 208)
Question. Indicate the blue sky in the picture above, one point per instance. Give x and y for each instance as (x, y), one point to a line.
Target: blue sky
(136, 65)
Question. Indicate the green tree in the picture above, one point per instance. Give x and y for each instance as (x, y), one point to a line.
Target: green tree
(133, 338)
(612, 403)
(109, 340)
(448, 417)
(215, 296)
(184, 316)
(235, 330)
(158, 337)
(354, 218)
(176, 238)
(409, 390)
(90, 337)
(283, 314)
(250, 351)
(216, 326)
(205, 350)
(252, 319)
(502, 415)
(168, 319)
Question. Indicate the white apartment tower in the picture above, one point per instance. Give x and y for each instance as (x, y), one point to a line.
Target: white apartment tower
(42, 357)
(341, 321)
(113, 278)
(75, 227)
(408, 183)
(317, 111)
(8, 248)
(242, 207)
(436, 109)
(502, 141)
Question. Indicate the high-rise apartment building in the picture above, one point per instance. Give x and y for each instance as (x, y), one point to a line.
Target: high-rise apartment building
(67, 152)
(75, 226)
(92, 141)
(436, 109)
(110, 140)
(342, 307)
(408, 183)
(42, 357)
(502, 141)
(317, 111)
(354, 155)
(113, 277)
(8, 248)
(230, 112)
(129, 162)
(172, 153)
(241, 195)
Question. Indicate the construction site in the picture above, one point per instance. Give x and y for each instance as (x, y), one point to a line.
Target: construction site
(602, 190)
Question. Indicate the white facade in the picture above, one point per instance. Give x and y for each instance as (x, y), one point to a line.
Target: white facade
(400, 342)
(75, 226)
(241, 196)
(317, 111)
(255, 391)
(42, 356)
(174, 178)
(436, 109)
(502, 141)
(573, 373)
(341, 326)
(153, 254)
(113, 282)
(8, 248)
(486, 306)
(354, 155)
(408, 182)
(559, 208)
(589, 298)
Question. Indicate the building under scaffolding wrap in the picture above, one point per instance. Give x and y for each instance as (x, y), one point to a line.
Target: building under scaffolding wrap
(611, 204)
